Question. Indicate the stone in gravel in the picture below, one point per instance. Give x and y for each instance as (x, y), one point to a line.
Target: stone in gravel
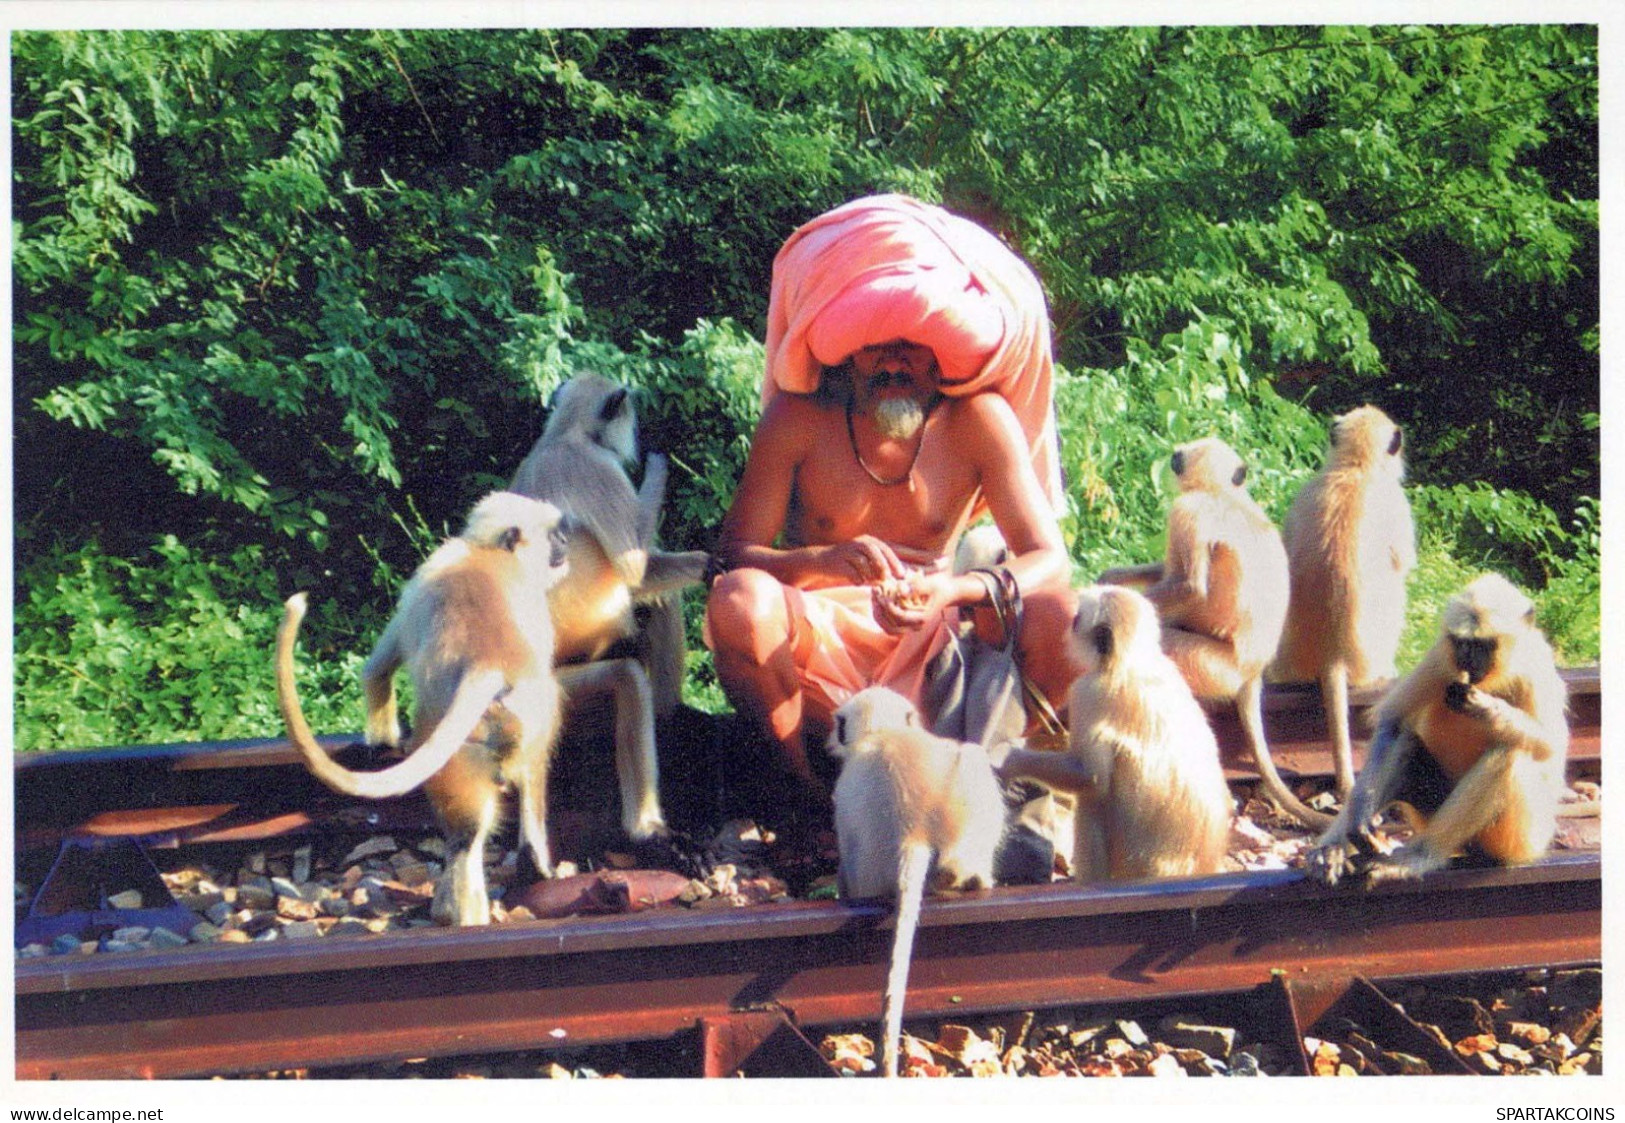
(333, 906)
(1166, 1065)
(32, 951)
(413, 872)
(164, 938)
(301, 864)
(1510, 1052)
(433, 847)
(129, 899)
(1186, 1033)
(348, 926)
(282, 887)
(65, 944)
(255, 862)
(218, 914)
(204, 933)
(133, 934)
(266, 936)
(1577, 1023)
(201, 902)
(255, 893)
(118, 945)
(258, 922)
(377, 844)
(1527, 1033)
(294, 908)
(235, 936)
(1133, 1034)
(1245, 1064)
(301, 929)
(1456, 1016)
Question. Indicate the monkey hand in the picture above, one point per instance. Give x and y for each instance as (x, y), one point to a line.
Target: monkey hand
(1408, 863)
(1468, 700)
(1331, 862)
(1340, 854)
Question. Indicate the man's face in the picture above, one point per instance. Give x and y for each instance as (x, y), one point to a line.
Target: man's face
(893, 382)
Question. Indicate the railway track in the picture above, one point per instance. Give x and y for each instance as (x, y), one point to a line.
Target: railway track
(744, 983)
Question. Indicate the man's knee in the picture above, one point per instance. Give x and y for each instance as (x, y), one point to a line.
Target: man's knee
(746, 614)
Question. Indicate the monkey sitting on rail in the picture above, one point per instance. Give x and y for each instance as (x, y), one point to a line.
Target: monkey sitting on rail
(1350, 545)
(1151, 795)
(1221, 593)
(472, 629)
(578, 465)
(912, 811)
(1484, 712)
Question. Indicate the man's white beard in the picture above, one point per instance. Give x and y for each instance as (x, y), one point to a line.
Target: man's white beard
(898, 416)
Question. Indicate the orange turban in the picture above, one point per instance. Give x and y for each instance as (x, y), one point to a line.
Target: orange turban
(890, 267)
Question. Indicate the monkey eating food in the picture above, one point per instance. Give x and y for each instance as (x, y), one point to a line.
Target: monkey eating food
(473, 631)
(912, 811)
(1486, 709)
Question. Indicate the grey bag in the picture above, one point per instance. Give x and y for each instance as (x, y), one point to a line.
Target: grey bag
(975, 691)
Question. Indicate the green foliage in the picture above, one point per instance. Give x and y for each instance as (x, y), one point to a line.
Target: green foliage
(1118, 428)
(174, 647)
(305, 292)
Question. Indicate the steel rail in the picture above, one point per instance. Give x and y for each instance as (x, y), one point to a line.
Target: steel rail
(241, 790)
(652, 975)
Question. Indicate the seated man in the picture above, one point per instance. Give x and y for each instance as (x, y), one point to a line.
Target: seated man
(907, 391)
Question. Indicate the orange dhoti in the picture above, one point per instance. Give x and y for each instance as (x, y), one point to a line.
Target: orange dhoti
(839, 648)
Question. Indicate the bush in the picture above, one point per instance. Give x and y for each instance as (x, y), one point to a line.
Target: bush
(174, 647)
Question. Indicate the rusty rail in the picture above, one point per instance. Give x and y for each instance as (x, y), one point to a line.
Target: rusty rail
(168, 795)
(654, 975)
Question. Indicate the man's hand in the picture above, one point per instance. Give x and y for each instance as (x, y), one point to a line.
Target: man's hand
(906, 605)
(865, 560)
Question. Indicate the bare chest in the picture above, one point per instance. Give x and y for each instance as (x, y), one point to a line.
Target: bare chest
(834, 499)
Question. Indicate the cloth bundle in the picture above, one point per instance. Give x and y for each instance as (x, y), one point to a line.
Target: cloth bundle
(889, 267)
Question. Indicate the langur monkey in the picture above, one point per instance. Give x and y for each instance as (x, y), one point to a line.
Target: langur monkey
(912, 811)
(1484, 708)
(1143, 761)
(578, 465)
(472, 629)
(1350, 545)
(1221, 594)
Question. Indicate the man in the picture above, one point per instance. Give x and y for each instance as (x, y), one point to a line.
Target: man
(907, 391)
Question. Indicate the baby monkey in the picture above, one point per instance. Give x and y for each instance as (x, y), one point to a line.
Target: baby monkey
(912, 811)
(1484, 711)
(1143, 761)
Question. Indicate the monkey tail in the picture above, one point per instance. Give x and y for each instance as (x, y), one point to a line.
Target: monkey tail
(1250, 709)
(1334, 696)
(474, 696)
(912, 869)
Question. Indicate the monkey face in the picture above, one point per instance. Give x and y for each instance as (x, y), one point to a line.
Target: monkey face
(872, 708)
(1208, 465)
(1474, 656)
(558, 544)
